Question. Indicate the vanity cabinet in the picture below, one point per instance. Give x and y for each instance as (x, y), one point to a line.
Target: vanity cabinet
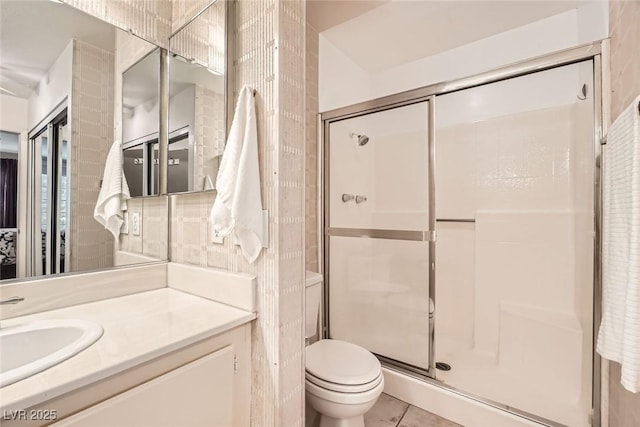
(210, 391)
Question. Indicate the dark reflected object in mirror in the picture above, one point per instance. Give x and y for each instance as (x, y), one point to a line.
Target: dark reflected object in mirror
(197, 101)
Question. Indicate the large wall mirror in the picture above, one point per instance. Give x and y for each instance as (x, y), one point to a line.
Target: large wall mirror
(60, 84)
(197, 100)
(141, 124)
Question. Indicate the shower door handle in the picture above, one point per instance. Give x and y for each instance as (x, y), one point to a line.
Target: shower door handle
(347, 197)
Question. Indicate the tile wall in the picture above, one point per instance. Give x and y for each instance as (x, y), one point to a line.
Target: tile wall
(91, 246)
(624, 29)
(269, 56)
(150, 20)
(311, 157)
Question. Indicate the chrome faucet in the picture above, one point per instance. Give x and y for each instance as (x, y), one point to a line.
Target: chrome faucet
(11, 300)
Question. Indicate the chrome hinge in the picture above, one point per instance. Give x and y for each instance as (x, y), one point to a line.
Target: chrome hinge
(603, 140)
(235, 363)
(432, 235)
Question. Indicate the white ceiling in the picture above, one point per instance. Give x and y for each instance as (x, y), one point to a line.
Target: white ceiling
(400, 31)
(33, 33)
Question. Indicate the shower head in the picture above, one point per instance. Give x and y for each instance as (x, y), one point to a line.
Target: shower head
(362, 139)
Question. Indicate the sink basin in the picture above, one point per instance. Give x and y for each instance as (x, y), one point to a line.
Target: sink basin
(32, 347)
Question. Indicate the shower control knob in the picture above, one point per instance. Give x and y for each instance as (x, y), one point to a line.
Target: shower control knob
(347, 197)
(360, 199)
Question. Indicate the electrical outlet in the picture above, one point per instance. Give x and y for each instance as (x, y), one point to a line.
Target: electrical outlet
(135, 223)
(217, 238)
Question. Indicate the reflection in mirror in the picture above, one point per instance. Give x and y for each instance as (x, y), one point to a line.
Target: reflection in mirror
(57, 97)
(197, 101)
(140, 124)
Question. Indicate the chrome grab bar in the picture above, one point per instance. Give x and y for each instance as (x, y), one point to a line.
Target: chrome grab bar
(414, 235)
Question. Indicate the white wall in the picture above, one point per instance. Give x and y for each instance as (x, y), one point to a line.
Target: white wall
(53, 87)
(13, 114)
(343, 83)
(340, 80)
(144, 120)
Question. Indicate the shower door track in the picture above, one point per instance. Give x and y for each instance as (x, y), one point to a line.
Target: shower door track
(591, 51)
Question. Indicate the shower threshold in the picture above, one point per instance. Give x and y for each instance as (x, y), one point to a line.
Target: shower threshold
(425, 376)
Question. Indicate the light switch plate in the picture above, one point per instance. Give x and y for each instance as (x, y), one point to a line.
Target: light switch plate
(125, 225)
(217, 238)
(135, 223)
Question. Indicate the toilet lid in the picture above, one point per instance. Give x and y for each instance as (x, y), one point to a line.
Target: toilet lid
(341, 362)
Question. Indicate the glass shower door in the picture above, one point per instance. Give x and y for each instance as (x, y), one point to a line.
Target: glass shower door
(515, 241)
(378, 222)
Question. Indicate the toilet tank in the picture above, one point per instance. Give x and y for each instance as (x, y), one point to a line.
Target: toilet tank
(313, 291)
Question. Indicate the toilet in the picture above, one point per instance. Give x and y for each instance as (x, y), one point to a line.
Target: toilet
(342, 380)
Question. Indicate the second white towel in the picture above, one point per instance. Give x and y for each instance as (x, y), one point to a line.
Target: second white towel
(238, 204)
(112, 199)
(619, 335)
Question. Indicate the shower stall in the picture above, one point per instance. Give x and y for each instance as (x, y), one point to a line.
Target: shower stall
(461, 234)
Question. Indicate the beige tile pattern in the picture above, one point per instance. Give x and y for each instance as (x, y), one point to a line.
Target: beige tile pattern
(202, 40)
(91, 117)
(311, 157)
(155, 227)
(150, 20)
(184, 10)
(624, 30)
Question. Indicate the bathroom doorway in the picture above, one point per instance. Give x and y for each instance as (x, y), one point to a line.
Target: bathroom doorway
(461, 234)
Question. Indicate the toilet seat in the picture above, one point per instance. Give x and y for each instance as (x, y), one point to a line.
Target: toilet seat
(342, 388)
(341, 363)
(345, 398)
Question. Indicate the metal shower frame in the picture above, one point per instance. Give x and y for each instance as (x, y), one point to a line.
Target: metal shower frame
(592, 51)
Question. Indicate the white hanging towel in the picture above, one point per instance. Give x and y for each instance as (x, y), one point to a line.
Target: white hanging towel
(238, 204)
(619, 335)
(112, 200)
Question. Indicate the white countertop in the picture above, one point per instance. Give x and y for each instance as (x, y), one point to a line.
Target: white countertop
(137, 329)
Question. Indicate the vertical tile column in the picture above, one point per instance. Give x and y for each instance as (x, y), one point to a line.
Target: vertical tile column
(311, 135)
(624, 30)
(91, 118)
(270, 57)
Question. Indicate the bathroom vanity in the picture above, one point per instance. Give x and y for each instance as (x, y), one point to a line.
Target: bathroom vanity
(178, 354)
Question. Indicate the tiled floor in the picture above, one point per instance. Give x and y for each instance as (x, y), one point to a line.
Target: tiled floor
(391, 412)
